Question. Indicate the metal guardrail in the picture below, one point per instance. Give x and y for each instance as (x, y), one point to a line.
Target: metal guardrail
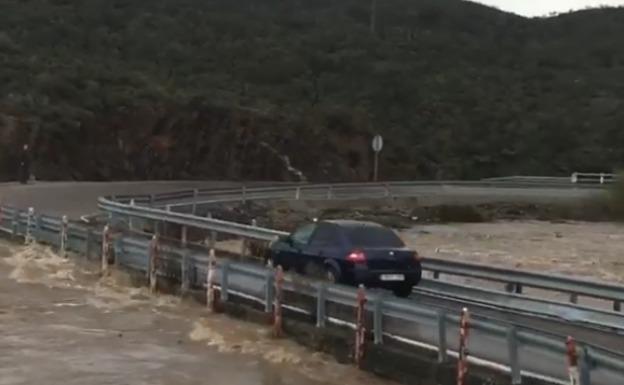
(593, 178)
(521, 304)
(517, 279)
(520, 351)
(578, 178)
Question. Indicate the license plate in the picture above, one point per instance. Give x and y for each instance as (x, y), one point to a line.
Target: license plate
(392, 277)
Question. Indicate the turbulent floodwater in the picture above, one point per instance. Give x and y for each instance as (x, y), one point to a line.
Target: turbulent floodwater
(587, 250)
(60, 323)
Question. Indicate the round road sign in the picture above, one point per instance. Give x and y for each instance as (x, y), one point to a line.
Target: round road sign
(377, 143)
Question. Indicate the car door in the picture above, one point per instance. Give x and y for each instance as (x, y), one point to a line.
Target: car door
(291, 253)
(326, 244)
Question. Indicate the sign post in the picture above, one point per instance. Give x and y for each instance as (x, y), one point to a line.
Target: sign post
(377, 146)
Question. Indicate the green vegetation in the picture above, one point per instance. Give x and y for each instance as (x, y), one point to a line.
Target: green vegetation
(459, 90)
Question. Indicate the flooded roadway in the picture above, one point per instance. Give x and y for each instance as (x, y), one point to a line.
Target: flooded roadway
(60, 323)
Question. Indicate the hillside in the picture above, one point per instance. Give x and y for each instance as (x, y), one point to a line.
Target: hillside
(120, 89)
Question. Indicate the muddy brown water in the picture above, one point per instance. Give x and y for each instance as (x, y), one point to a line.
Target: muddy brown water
(63, 324)
(584, 249)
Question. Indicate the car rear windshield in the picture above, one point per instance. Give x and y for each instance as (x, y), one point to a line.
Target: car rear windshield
(368, 236)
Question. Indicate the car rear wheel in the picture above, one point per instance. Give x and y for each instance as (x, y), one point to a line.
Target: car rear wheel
(404, 290)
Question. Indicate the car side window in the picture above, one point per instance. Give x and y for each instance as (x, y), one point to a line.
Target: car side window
(302, 235)
(325, 236)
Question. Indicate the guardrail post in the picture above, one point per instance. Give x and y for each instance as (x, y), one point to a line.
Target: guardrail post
(154, 250)
(436, 275)
(184, 236)
(387, 190)
(321, 294)
(378, 321)
(462, 361)
(64, 236)
(360, 327)
(515, 288)
(88, 241)
(442, 346)
(225, 281)
(28, 238)
(574, 178)
(329, 192)
(602, 178)
(15, 223)
(194, 206)
(164, 223)
(574, 298)
(211, 298)
(277, 303)
(119, 251)
(38, 232)
(151, 200)
(298, 193)
(213, 234)
(184, 273)
(512, 344)
(105, 249)
(244, 194)
(617, 305)
(130, 220)
(244, 247)
(268, 291)
(585, 367)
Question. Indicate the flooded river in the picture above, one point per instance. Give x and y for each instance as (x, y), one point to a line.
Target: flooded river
(62, 324)
(583, 249)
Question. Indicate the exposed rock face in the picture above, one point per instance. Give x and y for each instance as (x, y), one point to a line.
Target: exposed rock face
(173, 142)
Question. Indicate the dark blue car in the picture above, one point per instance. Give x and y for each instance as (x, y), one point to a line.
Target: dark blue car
(350, 252)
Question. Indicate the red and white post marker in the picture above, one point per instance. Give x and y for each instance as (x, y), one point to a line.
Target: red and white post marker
(277, 302)
(153, 263)
(360, 326)
(572, 359)
(462, 361)
(211, 293)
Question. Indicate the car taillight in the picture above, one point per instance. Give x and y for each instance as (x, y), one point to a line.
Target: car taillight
(357, 256)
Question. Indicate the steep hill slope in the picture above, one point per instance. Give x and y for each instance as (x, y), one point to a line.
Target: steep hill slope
(109, 89)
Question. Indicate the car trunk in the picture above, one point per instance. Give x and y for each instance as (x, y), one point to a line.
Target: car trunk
(389, 258)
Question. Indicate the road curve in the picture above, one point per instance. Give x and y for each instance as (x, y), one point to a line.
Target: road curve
(80, 198)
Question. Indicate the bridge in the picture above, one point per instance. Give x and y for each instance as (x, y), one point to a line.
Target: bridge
(525, 333)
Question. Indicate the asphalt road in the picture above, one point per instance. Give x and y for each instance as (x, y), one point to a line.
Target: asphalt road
(80, 198)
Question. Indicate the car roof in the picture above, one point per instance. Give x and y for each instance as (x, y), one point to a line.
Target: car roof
(352, 223)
